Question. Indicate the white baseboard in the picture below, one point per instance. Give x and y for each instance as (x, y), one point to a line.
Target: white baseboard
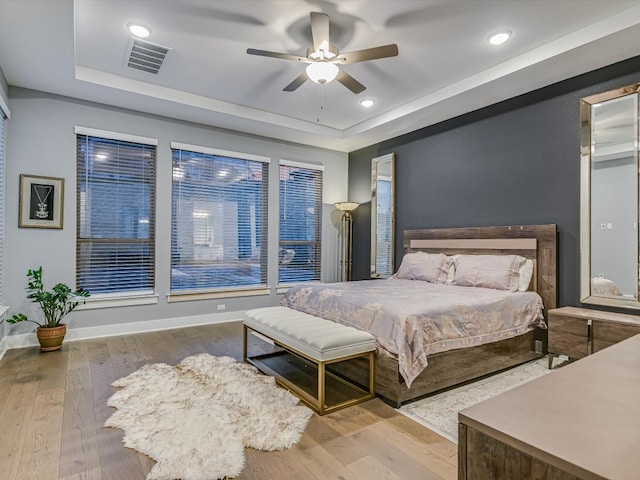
(20, 341)
(73, 334)
(3, 347)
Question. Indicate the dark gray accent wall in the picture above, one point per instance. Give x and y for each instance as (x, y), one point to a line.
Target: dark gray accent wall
(515, 162)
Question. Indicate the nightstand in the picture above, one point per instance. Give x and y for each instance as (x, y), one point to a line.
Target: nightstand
(578, 332)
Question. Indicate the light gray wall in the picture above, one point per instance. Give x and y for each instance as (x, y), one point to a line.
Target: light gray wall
(4, 96)
(4, 88)
(41, 141)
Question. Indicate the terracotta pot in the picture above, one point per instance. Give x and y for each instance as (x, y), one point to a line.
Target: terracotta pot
(51, 338)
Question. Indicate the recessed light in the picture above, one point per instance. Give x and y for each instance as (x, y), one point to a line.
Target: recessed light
(499, 38)
(101, 156)
(139, 30)
(366, 103)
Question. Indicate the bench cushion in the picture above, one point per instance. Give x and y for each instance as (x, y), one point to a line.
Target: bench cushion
(319, 339)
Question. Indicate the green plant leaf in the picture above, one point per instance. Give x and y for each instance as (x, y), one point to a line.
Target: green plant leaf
(55, 304)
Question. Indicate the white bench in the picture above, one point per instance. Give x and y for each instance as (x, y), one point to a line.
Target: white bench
(309, 344)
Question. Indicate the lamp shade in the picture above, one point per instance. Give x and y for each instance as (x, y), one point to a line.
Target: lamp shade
(322, 72)
(346, 206)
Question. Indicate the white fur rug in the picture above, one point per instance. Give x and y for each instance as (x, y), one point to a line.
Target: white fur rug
(195, 419)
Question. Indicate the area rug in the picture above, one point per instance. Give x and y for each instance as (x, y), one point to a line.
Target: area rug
(195, 419)
(440, 412)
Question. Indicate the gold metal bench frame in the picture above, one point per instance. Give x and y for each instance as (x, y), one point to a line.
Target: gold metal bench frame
(316, 403)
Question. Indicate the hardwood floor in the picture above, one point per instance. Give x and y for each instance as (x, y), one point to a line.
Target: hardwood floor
(53, 406)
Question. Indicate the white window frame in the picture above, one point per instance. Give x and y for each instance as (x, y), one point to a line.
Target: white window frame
(123, 298)
(282, 287)
(225, 291)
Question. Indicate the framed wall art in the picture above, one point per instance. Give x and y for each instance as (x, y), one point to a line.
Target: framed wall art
(41, 202)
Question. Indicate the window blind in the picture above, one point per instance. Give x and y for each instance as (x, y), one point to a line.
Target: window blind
(299, 252)
(384, 212)
(116, 215)
(219, 220)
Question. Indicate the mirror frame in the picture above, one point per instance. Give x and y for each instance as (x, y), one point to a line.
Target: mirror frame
(586, 296)
(375, 162)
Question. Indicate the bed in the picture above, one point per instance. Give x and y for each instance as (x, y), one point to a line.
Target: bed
(501, 328)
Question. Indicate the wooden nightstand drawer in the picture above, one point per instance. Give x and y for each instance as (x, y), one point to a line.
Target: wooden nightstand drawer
(570, 325)
(568, 335)
(575, 346)
(606, 334)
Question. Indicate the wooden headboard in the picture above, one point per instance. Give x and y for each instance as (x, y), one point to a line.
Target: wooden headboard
(537, 242)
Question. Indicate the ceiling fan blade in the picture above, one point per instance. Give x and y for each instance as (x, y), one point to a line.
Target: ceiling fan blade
(283, 56)
(350, 82)
(320, 31)
(296, 83)
(369, 54)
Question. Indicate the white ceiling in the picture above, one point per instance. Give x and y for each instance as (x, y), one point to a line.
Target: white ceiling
(445, 66)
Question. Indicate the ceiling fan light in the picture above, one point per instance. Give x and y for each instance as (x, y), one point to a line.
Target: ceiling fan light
(322, 72)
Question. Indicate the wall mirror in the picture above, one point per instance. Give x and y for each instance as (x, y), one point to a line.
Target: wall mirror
(382, 215)
(609, 273)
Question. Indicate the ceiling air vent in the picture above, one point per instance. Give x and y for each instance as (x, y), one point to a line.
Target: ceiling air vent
(146, 56)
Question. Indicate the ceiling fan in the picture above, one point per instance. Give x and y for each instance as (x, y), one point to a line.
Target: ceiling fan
(323, 58)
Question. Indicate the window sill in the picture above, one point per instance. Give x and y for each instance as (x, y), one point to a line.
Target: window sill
(284, 288)
(118, 301)
(212, 295)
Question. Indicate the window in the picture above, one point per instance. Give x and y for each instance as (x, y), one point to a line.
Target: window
(300, 222)
(384, 226)
(116, 213)
(219, 219)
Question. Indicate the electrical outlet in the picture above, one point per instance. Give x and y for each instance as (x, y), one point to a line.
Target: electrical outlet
(609, 226)
(222, 306)
(538, 346)
(603, 226)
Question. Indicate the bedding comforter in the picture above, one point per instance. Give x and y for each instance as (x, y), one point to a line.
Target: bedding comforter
(412, 319)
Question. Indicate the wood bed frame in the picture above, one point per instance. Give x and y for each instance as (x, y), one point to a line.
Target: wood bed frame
(446, 369)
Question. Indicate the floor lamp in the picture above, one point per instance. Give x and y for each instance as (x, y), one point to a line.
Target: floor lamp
(346, 231)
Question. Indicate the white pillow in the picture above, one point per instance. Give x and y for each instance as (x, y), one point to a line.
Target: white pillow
(452, 270)
(526, 272)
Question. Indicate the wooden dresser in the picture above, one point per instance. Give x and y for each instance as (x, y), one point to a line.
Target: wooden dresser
(578, 332)
(578, 422)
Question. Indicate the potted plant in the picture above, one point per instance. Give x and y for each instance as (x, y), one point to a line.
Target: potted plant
(55, 304)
